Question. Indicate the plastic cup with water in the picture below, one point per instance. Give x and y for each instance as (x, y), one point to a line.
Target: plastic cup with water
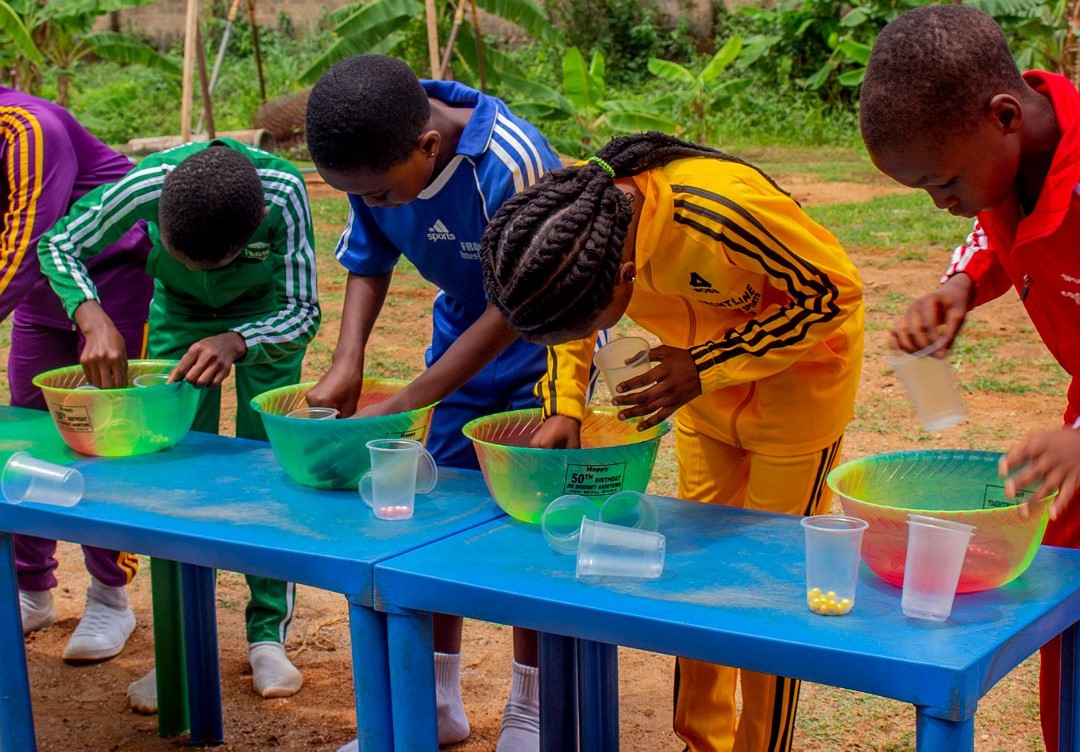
(150, 379)
(615, 551)
(622, 359)
(630, 509)
(561, 521)
(931, 386)
(400, 469)
(935, 555)
(833, 543)
(27, 478)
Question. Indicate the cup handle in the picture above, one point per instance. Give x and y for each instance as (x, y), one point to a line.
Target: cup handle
(427, 472)
(364, 487)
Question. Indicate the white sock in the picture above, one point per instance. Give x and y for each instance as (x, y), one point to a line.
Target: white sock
(272, 673)
(521, 717)
(114, 597)
(450, 710)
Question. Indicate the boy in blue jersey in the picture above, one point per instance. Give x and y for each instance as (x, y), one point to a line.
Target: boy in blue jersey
(426, 164)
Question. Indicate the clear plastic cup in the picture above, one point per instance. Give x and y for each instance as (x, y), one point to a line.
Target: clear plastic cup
(833, 542)
(26, 478)
(561, 521)
(314, 413)
(615, 551)
(400, 469)
(931, 386)
(935, 555)
(151, 379)
(622, 359)
(630, 509)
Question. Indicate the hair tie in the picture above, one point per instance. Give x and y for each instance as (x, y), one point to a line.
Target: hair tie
(602, 165)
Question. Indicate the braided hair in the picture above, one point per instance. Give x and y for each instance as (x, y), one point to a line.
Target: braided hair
(552, 252)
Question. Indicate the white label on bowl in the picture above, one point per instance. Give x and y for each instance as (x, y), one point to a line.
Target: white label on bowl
(594, 480)
(72, 418)
(412, 433)
(994, 497)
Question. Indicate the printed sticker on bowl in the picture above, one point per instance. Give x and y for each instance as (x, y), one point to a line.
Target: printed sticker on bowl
(594, 480)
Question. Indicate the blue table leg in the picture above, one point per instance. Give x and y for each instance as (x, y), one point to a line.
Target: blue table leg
(371, 677)
(201, 653)
(16, 716)
(598, 687)
(558, 693)
(412, 680)
(934, 734)
(1068, 718)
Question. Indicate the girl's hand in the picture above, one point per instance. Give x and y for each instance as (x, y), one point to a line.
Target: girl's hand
(1049, 457)
(557, 432)
(674, 382)
(208, 362)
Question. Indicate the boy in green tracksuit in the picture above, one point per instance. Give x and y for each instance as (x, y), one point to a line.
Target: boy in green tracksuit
(234, 283)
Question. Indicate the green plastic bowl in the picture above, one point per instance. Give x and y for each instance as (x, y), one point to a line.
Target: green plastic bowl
(332, 453)
(957, 485)
(614, 456)
(119, 422)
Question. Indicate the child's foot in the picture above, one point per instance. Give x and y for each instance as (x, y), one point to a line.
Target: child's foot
(36, 609)
(142, 694)
(449, 709)
(353, 746)
(521, 717)
(105, 626)
(272, 672)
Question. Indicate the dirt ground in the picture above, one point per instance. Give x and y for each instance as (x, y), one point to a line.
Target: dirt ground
(83, 707)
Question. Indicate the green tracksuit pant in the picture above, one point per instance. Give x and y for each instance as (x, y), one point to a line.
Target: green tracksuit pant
(270, 609)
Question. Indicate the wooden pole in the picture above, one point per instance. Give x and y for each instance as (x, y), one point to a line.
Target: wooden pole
(479, 46)
(191, 28)
(448, 53)
(432, 37)
(258, 54)
(204, 86)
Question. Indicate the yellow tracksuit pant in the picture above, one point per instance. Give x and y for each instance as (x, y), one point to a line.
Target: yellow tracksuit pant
(714, 472)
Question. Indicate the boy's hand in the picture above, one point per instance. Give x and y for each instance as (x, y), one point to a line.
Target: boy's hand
(395, 403)
(675, 381)
(557, 432)
(207, 363)
(946, 306)
(340, 387)
(104, 356)
(1049, 457)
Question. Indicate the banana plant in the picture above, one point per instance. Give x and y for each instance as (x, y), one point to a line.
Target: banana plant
(592, 118)
(386, 26)
(697, 93)
(60, 33)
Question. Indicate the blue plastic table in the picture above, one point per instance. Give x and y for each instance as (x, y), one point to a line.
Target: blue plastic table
(733, 592)
(214, 502)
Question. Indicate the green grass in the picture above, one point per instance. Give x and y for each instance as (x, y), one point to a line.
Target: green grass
(893, 225)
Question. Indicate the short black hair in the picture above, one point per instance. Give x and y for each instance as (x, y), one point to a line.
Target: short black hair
(366, 112)
(211, 204)
(932, 72)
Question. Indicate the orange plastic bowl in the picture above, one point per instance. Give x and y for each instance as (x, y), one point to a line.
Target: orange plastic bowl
(332, 453)
(957, 485)
(614, 456)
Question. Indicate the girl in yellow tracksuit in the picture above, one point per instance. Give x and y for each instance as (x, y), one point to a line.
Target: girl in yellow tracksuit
(760, 316)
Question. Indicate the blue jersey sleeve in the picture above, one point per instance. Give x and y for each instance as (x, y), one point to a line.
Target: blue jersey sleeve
(363, 248)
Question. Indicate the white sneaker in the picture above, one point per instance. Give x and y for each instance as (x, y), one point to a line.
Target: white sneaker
(353, 746)
(103, 630)
(36, 609)
(142, 694)
(272, 672)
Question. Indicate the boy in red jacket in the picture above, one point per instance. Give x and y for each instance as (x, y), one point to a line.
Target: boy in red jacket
(945, 109)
